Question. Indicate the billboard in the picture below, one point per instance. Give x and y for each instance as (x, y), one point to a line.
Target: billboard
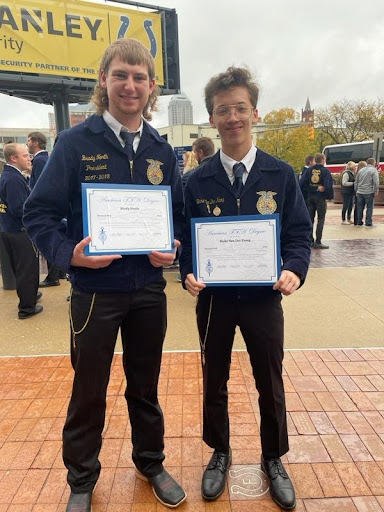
(68, 39)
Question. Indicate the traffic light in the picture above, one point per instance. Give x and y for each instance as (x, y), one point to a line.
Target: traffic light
(311, 132)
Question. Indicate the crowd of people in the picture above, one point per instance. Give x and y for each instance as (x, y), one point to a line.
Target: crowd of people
(112, 292)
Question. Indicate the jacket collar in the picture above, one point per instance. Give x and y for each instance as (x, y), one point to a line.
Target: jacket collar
(97, 125)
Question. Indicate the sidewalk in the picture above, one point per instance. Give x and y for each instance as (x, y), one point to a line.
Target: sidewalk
(335, 397)
(335, 402)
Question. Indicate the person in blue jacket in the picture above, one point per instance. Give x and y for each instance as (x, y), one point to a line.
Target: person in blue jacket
(317, 186)
(37, 146)
(265, 185)
(111, 292)
(23, 256)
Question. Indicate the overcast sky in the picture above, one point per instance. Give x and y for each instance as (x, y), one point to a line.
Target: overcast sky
(326, 51)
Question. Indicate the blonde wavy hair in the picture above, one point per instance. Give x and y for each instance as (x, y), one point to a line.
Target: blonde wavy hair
(350, 166)
(134, 53)
(190, 161)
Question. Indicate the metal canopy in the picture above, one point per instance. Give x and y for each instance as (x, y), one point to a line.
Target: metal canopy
(46, 89)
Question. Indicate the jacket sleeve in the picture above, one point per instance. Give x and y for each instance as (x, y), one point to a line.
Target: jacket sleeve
(376, 180)
(16, 193)
(177, 200)
(304, 181)
(37, 169)
(186, 266)
(49, 203)
(295, 230)
(328, 184)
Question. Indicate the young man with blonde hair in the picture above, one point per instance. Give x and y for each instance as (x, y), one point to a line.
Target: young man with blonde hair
(23, 256)
(235, 182)
(111, 292)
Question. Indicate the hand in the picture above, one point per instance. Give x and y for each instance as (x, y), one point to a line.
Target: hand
(161, 259)
(79, 259)
(194, 287)
(320, 188)
(288, 282)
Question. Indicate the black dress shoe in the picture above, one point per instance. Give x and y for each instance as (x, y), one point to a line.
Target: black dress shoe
(45, 283)
(79, 502)
(24, 314)
(165, 488)
(38, 296)
(280, 485)
(215, 475)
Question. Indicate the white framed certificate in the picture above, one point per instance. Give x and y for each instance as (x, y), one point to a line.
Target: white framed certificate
(236, 251)
(127, 219)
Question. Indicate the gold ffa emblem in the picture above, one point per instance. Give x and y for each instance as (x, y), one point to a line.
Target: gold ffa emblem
(266, 204)
(216, 211)
(315, 176)
(3, 208)
(154, 173)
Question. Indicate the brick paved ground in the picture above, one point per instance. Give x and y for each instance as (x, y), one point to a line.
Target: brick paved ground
(335, 402)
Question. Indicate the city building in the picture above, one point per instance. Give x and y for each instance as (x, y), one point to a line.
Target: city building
(180, 110)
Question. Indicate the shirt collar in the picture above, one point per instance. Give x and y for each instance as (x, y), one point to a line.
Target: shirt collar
(116, 126)
(229, 162)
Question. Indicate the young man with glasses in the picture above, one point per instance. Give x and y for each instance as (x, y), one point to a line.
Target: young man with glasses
(111, 292)
(243, 180)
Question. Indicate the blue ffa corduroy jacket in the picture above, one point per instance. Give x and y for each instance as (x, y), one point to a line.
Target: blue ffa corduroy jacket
(314, 176)
(38, 164)
(14, 191)
(91, 153)
(271, 187)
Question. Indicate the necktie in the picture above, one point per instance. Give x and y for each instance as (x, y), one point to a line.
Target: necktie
(238, 171)
(128, 139)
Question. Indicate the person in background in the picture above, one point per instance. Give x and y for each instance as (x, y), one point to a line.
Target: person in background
(22, 254)
(347, 191)
(317, 185)
(37, 147)
(37, 144)
(111, 293)
(235, 182)
(359, 166)
(202, 148)
(366, 187)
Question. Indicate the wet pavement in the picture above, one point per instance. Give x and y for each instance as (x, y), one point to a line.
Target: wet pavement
(349, 253)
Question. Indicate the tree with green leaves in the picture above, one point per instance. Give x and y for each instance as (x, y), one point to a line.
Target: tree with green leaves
(286, 139)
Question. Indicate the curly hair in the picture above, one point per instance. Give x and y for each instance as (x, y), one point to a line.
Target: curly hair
(232, 77)
(134, 53)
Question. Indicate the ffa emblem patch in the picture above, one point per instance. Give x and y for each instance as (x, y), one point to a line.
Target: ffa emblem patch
(216, 211)
(315, 176)
(266, 204)
(154, 173)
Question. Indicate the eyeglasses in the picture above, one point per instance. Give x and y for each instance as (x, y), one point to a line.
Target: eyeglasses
(242, 111)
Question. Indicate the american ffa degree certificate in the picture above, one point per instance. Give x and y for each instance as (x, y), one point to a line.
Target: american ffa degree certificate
(236, 251)
(127, 219)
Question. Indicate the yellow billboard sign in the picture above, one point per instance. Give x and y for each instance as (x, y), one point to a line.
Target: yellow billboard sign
(69, 38)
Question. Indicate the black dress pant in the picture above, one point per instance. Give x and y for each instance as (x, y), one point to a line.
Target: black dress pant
(262, 326)
(24, 260)
(319, 205)
(53, 272)
(96, 318)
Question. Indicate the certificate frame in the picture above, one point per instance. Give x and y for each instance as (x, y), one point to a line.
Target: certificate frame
(270, 222)
(161, 193)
